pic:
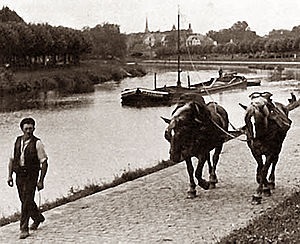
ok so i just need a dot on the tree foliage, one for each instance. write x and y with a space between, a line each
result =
24 44
6 15
107 41
239 32
240 40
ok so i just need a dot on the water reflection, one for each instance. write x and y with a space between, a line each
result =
40 100
280 74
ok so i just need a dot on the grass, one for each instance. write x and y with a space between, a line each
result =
92 189
277 225
67 79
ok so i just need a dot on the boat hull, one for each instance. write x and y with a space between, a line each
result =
253 83
139 97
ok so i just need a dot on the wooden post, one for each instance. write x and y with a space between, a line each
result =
189 81
178 50
154 81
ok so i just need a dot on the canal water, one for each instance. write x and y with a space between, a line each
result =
91 138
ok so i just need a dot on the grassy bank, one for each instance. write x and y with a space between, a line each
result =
66 79
278 225
92 189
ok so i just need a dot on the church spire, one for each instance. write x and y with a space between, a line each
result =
146 29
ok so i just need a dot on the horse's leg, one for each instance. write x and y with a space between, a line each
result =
256 199
190 169
201 182
210 170
260 164
272 174
269 161
213 179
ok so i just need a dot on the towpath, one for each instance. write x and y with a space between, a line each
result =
154 209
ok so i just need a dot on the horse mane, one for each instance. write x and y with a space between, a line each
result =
267 114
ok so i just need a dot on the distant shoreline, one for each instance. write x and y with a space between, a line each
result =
222 62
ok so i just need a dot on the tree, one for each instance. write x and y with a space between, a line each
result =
296 44
239 32
239 26
6 15
42 42
230 48
258 45
107 40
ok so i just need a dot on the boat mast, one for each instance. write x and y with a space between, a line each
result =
178 49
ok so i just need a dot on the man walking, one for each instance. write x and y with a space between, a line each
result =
29 162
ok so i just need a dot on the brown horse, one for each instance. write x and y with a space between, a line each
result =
265 137
194 130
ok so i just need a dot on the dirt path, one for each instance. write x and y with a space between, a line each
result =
154 209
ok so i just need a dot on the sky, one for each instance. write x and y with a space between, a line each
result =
262 16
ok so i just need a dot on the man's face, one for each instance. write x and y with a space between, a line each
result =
28 130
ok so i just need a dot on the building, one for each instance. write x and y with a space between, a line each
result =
144 43
198 39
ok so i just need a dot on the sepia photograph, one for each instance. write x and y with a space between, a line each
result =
149 122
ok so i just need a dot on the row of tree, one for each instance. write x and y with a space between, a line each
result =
26 44
239 39
23 44
259 46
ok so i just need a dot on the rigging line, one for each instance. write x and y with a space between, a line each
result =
192 63
193 66
233 127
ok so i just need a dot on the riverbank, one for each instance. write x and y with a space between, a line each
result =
92 189
66 79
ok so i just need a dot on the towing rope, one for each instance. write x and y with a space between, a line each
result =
227 133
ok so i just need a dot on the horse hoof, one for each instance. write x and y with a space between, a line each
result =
204 184
256 200
258 179
212 185
213 179
267 192
271 185
191 194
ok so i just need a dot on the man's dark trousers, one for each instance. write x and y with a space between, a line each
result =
26 184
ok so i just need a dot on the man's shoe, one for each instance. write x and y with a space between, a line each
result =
36 224
24 234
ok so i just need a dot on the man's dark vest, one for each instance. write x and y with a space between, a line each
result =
31 161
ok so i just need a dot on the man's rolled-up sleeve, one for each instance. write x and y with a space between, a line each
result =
42 155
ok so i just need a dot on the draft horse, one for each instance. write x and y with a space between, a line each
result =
195 129
265 136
